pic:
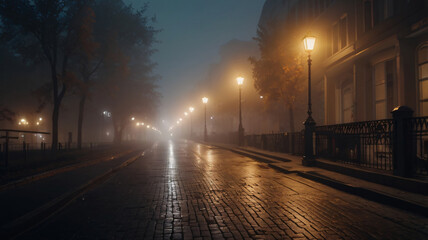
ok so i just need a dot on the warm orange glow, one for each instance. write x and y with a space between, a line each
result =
205 100
309 43
240 80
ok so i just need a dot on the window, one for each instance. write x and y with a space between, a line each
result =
384 78
347 103
375 11
335 37
343 32
367 16
423 80
340 34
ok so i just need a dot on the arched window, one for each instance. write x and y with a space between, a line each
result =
423 79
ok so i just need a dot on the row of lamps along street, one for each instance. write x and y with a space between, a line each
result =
308 158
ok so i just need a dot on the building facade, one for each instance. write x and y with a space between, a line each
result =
370 56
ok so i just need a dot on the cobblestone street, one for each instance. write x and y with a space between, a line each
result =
184 190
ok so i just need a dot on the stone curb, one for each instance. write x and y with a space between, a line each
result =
39 215
372 195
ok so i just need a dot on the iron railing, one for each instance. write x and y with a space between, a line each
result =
367 144
418 130
15 155
292 143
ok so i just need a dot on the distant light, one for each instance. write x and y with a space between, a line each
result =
212 117
19 123
22 135
138 124
22 120
180 119
171 134
178 122
205 100
142 124
132 118
185 113
37 123
261 97
191 109
40 119
148 126
108 133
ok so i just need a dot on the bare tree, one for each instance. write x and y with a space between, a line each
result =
45 30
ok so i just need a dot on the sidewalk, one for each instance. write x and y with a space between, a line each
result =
415 200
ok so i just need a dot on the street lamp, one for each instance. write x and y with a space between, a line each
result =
308 157
205 101
191 109
240 81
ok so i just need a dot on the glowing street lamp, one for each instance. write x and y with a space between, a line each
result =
308 158
240 81
205 101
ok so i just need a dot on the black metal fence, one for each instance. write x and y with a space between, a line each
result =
418 136
292 143
15 155
398 145
367 144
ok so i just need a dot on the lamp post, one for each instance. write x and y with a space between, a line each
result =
191 109
240 81
308 157
205 101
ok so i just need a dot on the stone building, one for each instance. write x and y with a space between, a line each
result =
370 55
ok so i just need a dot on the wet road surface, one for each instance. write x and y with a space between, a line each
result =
184 190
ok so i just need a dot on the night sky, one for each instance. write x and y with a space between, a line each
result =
192 32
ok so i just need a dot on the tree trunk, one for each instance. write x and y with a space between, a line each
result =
57 104
117 134
291 113
80 121
55 116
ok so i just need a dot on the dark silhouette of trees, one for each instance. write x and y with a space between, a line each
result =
45 30
128 84
101 46
278 72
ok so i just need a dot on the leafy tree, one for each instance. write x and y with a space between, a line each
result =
278 72
45 30
86 62
126 36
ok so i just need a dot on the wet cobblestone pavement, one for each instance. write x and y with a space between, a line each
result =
190 191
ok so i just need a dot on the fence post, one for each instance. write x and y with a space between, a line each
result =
24 148
6 150
402 142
